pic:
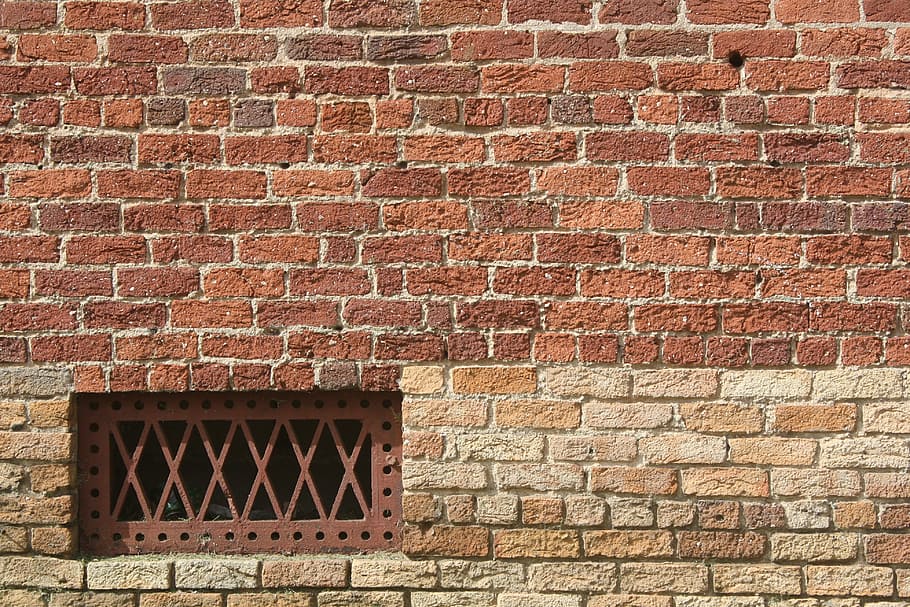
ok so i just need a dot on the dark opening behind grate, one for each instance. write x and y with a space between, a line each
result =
239 472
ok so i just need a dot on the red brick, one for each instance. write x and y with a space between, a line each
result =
29 15
598 45
845 42
242 217
225 184
103 15
519 78
121 315
557 11
35 316
71 348
57 48
492 44
886 10
454 12
437 215
765 317
622 283
809 11
151 282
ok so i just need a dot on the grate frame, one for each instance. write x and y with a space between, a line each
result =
102 419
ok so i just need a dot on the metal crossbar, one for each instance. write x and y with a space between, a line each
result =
239 472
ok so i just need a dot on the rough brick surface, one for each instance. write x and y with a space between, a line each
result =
638 266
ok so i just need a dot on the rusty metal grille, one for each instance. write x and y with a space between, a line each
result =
239 472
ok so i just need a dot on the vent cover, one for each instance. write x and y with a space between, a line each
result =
239 472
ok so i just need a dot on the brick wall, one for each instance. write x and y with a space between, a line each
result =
639 267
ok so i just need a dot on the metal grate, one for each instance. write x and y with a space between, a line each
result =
239 472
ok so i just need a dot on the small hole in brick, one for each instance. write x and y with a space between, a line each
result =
162 537
184 537
342 536
298 536
342 404
251 536
117 537
736 59
402 164
386 426
320 535
284 165
229 536
387 492
387 535
275 536
365 535
140 537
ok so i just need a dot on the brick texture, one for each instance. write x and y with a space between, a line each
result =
639 267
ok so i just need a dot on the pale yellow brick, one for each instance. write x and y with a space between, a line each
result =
494 380
814 547
535 543
497 509
94 599
766 384
675 514
51 478
10 476
711 417
20 509
443 475
540 477
683 448
447 599
686 578
585 511
13 539
444 412
537 414
773 451
50 414
179 599
627 415
614 448
628 545
539 600
809 482
40 572
903 582
271 599
422 380
573 577
892 418
21 598
720 601
481 575
216 573
53 541
629 600
586 381
864 452
304 573
631 512
757 579
123 574
500 447
675 383
887 484
849 580
725 482
393 573
844 384
12 414
47 446
343 598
